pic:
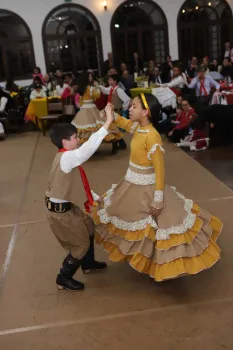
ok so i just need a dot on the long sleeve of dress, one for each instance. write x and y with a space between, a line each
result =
156 155
126 124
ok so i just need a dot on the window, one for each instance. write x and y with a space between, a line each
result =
139 26
16 49
203 27
72 40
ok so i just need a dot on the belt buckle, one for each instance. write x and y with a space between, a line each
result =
60 208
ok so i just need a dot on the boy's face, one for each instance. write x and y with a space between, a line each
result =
72 143
111 82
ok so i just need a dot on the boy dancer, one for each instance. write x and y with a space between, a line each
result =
73 229
118 98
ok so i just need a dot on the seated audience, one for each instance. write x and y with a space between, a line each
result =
192 68
178 82
48 83
227 70
38 92
197 139
155 76
128 82
37 73
123 67
179 128
167 69
203 84
205 63
214 73
11 86
150 68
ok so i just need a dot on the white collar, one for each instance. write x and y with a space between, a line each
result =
142 130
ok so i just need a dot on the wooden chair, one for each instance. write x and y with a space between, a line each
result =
51 117
43 120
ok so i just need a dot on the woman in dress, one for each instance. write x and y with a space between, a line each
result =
147 223
88 120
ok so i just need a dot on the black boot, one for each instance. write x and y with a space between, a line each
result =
64 278
89 263
114 148
122 144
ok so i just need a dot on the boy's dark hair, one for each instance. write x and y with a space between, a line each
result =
115 77
60 132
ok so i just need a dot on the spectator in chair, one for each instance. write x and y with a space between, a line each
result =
38 92
155 77
227 70
192 68
213 73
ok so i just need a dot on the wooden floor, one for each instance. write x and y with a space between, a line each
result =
120 308
219 161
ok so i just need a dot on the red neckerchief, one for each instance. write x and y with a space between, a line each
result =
202 87
111 93
90 201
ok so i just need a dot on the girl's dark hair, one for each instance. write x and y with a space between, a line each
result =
94 78
60 132
154 106
11 86
83 83
37 80
39 70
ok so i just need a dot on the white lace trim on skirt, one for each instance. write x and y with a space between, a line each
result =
187 224
140 179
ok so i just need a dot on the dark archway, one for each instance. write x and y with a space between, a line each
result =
72 39
139 26
17 58
203 27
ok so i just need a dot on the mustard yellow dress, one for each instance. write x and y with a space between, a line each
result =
88 120
180 241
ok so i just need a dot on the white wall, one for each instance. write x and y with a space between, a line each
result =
34 13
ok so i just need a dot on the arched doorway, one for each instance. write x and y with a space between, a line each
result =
72 39
17 58
139 26
203 27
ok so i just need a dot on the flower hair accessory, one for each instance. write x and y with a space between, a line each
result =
145 104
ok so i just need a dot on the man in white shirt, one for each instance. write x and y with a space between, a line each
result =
73 229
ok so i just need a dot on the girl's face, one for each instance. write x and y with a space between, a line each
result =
136 112
215 62
36 71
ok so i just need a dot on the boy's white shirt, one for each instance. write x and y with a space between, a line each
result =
72 159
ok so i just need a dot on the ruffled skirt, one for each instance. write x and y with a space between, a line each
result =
88 121
180 241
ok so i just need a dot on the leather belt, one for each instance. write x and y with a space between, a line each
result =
58 207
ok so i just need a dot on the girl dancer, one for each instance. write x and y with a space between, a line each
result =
147 223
